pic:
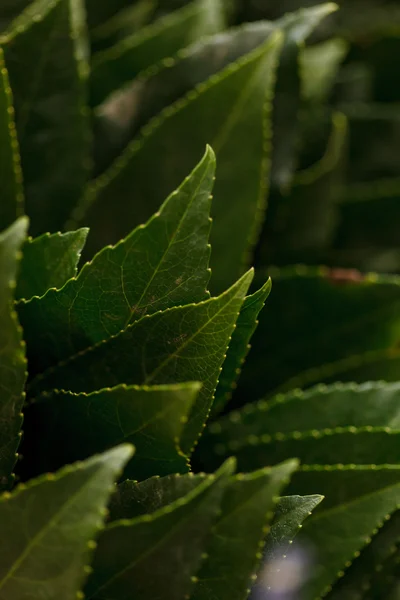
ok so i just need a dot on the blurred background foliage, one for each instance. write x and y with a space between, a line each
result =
335 184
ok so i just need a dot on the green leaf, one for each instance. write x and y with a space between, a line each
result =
9 10
101 11
339 534
374 404
120 118
12 355
297 26
48 526
150 418
233 553
48 262
129 550
12 196
135 498
122 24
52 124
290 514
159 265
239 345
168 347
341 445
301 225
371 562
317 316
120 64
228 109
319 65
348 490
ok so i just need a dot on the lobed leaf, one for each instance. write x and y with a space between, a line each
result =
172 346
12 200
48 526
159 265
150 418
48 262
44 54
128 549
232 110
12 355
116 66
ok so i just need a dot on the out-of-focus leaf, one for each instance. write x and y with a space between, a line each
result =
317 316
45 54
12 196
231 110
319 65
287 98
120 64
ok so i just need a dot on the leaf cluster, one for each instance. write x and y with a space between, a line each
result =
145 451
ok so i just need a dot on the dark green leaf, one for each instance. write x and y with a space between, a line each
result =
290 514
301 225
135 498
233 553
297 26
12 355
43 51
159 265
239 345
352 493
341 445
9 10
47 528
172 538
150 418
363 571
120 64
279 565
228 109
101 11
168 347
121 117
375 404
12 197
48 262
339 534
319 65
317 316
124 23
